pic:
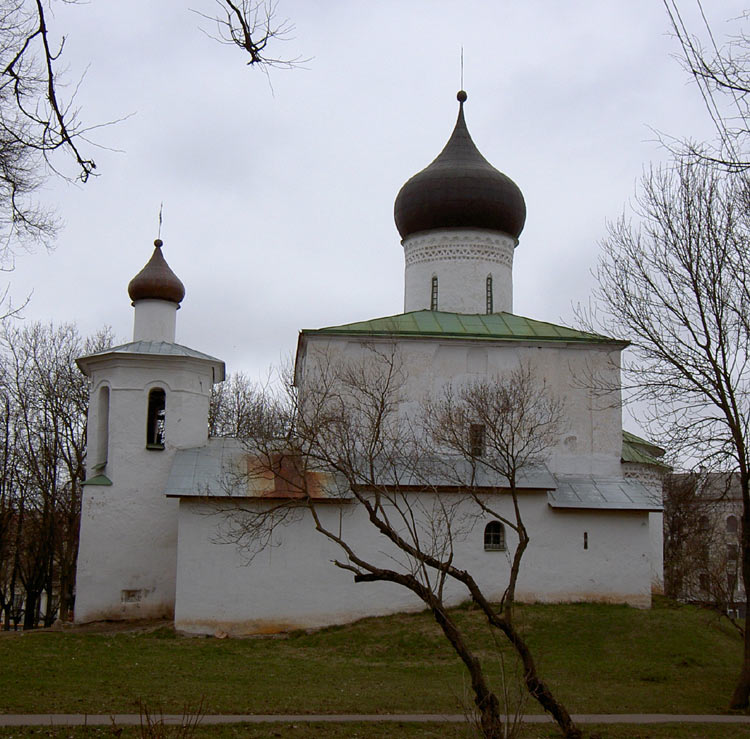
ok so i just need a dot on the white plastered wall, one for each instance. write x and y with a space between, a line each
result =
461 259
295 585
128 537
154 320
591 441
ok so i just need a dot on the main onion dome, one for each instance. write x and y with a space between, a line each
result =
156 281
460 189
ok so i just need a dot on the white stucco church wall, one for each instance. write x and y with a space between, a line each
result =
155 498
591 438
294 584
461 270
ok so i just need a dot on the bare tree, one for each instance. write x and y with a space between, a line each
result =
686 535
721 72
235 406
702 542
676 283
45 398
345 432
250 25
41 130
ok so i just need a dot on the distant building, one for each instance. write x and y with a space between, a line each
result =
702 524
149 528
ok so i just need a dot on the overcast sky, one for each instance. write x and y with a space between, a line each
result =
278 201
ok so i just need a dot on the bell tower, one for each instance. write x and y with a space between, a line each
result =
148 398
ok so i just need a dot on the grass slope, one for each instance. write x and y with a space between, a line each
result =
597 658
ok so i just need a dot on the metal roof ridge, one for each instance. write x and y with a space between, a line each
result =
379 326
121 348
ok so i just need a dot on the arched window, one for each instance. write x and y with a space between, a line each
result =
494 537
434 293
157 404
102 429
732 524
489 294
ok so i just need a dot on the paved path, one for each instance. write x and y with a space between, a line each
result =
80 719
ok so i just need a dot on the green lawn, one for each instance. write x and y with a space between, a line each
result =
597 658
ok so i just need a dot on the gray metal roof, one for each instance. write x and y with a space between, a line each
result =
603 493
225 468
155 348
212 469
203 470
451 472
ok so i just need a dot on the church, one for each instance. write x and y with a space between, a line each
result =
155 504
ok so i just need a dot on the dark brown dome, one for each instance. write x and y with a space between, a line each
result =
460 189
156 281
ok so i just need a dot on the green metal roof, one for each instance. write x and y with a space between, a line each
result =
98 480
491 326
638 450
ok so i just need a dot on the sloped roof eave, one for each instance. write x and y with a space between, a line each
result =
505 327
152 350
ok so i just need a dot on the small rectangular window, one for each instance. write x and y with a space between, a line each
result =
434 294
489 294
476 439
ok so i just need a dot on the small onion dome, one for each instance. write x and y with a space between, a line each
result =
460 189
156 281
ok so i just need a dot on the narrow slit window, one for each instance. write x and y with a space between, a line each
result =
155 424
434 294
490 300
476 439
102 430
585 539
494 537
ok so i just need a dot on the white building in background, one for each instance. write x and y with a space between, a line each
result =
149 529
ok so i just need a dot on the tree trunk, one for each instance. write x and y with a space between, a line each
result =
30 610
66 598
49 609
538 688
485 700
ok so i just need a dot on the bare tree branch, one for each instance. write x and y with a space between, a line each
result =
353 444
675 282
